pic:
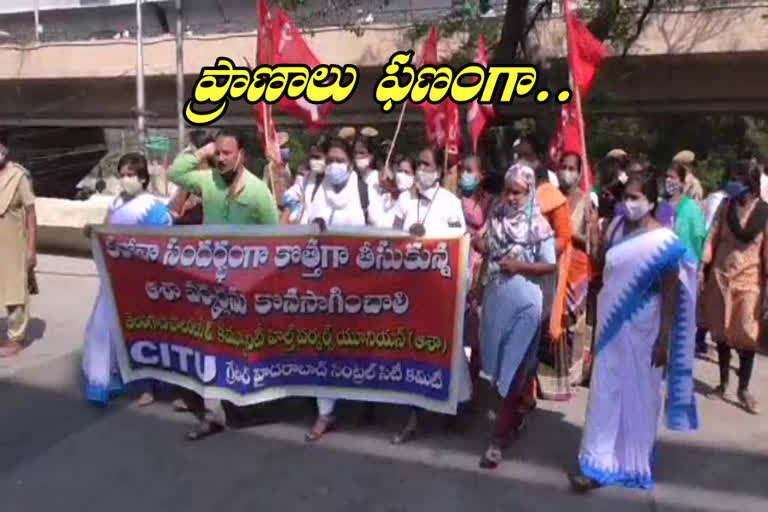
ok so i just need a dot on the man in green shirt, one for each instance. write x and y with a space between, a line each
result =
230 193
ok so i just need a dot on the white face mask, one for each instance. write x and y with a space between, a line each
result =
362 164
623 178
425 179
337 173
637 209
316 164
131 185
764 187
568 178
404 181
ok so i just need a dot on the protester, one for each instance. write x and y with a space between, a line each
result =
364 164
386 192
231 196
645 319
292 197
475 203
692 186
688 219
519 247
566 357
736 251
428 209
134 206
18 252
310 185
337 204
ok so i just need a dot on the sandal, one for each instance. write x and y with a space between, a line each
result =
322 426
582 484
145 399
748 402
408 432
491 458
204 429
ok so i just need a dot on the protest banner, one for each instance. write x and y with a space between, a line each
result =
251 314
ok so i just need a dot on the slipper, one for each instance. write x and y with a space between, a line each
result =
491 458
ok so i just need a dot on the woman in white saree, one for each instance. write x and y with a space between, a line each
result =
133 206
646 323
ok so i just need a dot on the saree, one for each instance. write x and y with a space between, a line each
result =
625 392
102 332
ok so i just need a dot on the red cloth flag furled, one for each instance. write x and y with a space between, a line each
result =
478 115
290 48
585 53
443 126
262 112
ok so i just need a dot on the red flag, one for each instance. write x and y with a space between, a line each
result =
262 112
585 53
290 48
443 126
478 115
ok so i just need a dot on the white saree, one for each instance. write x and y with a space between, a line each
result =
625 391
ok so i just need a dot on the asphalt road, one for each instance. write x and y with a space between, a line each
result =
56 451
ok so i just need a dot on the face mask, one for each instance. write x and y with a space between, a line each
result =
468 182
671 187
637 209
623 178
425 179
290 201
404 181
568 178
337 173
735 189
317 165
764 187
285 153
131 185
362 164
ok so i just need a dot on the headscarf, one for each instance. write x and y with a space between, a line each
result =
517 232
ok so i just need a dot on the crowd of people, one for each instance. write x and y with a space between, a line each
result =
613 288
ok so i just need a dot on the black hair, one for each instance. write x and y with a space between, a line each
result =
648 187
199 138
235 134
438 155
335 142
746 172
532 142
367 143
138 164
572 153
679 169
541 173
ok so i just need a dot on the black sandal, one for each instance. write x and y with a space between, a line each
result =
203 430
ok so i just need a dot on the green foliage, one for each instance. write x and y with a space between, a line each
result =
469 25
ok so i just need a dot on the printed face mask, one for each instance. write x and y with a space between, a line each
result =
671 187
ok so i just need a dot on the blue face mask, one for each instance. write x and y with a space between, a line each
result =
468 182
285 153
735 189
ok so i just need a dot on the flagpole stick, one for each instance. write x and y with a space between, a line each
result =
270 162
394 137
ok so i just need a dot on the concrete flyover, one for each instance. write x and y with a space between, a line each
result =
707 61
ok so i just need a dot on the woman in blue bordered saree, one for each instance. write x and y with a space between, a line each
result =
645 328
133 206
